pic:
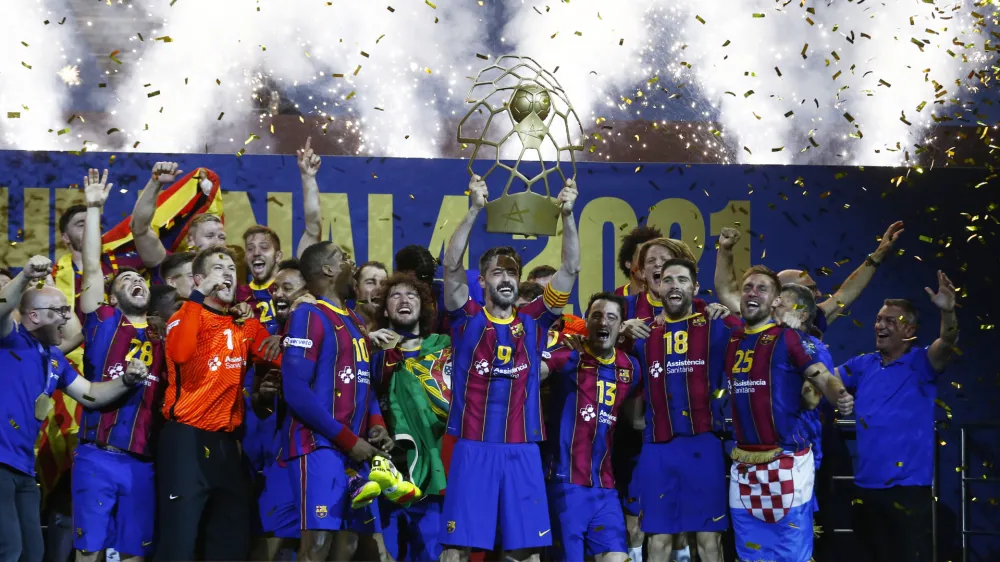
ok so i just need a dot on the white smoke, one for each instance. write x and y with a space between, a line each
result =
862 73
406 86
37 94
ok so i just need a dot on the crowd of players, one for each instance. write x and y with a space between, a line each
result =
328 410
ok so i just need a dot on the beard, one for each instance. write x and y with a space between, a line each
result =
680 309
407 326
761 313
501 300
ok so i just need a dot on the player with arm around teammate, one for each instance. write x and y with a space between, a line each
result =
588 390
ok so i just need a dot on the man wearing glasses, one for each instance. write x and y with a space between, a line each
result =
31 369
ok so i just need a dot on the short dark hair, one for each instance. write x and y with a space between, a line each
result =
68 216
910 313
201 258
261 229
804 298
312 260
684 262
173 262
290 263
375 264
763 270
631 241
122 271
428 306
610 297
529 290
417 259
496 252
541 271
157 294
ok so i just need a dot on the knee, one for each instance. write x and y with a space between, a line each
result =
452 555
661 543
635 534
709 544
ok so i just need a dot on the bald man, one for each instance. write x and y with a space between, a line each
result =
31 369
827 310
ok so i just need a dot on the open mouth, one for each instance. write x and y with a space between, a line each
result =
753 305
280 305
227 284
675 297
656 278
506 292
881 335
404 310
137 291
258 265
603 335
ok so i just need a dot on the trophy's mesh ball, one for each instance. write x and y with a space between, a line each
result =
528 100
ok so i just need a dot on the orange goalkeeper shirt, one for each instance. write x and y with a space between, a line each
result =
207 354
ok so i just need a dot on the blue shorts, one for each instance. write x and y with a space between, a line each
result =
683 486
585 520
319 482
279 514
412 532
628 486
490 483
114 502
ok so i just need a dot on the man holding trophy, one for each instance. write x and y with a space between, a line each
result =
496 480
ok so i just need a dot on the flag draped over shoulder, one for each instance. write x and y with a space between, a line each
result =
175 207
418 411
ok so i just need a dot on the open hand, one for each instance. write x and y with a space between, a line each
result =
96 188
888 239
944 299
270 348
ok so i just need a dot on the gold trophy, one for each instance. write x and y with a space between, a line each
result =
515 95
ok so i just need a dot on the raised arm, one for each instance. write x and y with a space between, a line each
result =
856 282
147 242
456 288
727 286
564 279
100 394
309 167
941 350
37 269
95 190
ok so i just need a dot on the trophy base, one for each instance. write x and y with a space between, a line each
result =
526 213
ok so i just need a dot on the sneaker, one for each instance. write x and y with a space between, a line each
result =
363 492
393 486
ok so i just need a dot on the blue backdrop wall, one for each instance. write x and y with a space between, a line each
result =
822 219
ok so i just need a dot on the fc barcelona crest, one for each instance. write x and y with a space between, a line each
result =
767 339
624 375
451 526
321 511
698 320
517 330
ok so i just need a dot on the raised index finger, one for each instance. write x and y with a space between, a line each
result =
308 141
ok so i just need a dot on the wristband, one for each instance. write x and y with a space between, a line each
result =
871 261
554 298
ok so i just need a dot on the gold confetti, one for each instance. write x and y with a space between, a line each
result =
165 39
219 118
63 131
428 2
113 56
804 47
241 152
350 95
700 19
14 424
849 118
753 545
379 38
153 94
113 130
13 115
206 452
357 70
26 65
758 15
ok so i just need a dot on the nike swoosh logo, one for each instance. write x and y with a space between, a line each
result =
543 533
173 497
147 543
714 519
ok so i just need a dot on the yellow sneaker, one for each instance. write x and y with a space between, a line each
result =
363 492
393 486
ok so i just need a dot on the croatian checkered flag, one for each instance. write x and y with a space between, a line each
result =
771 507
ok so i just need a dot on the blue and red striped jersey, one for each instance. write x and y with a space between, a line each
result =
326 378
586 400
496 377
643 306
259 297
683 362
110 342
766 367
623 291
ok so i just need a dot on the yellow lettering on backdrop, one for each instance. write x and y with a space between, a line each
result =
736 215
380 228
550 255
239 216
453 210
279 219
598 213
337 221
685 214
34 239
65 198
